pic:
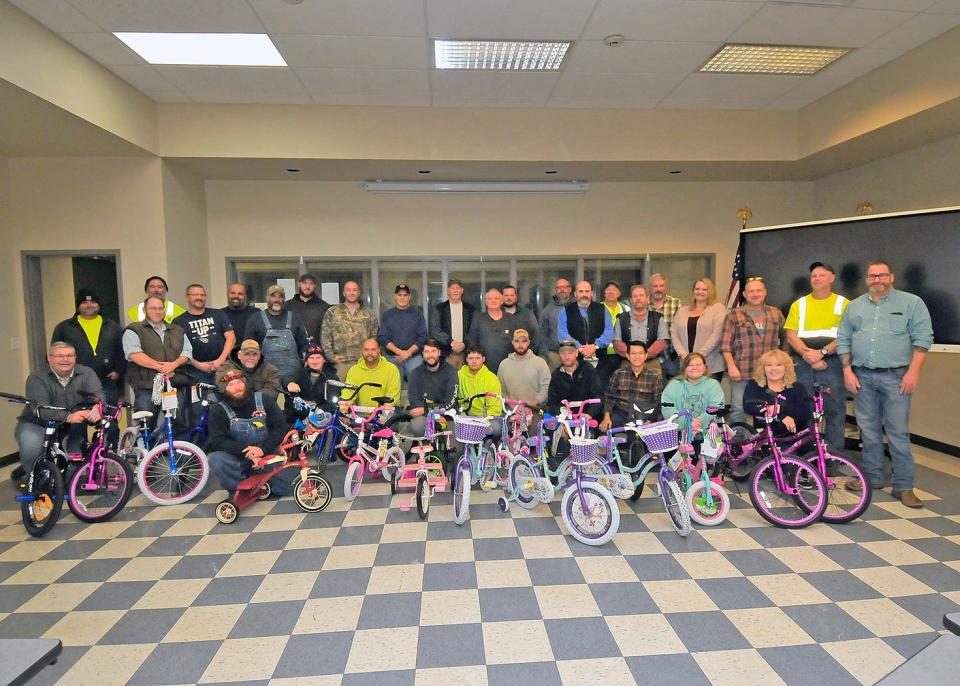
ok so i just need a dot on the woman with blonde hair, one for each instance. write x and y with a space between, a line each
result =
776 376
698 326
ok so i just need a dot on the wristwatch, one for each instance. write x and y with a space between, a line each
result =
823 352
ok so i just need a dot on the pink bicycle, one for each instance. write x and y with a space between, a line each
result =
376 453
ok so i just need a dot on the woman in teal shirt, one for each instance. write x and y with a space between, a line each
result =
695 390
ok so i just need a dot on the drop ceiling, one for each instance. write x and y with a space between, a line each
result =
378 52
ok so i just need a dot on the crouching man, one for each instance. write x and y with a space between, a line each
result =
245 427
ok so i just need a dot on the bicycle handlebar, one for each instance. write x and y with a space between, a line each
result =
23 400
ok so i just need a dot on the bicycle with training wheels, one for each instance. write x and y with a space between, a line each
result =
41 494
171 472
478 461
376 450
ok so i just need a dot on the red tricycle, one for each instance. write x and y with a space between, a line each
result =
310 490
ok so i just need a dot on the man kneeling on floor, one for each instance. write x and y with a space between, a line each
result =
244 427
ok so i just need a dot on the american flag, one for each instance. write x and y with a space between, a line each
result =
734 296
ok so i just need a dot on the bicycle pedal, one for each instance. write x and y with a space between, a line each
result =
490 484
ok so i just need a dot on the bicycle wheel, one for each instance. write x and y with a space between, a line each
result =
789 510
129 446
842 505
567 470
592 519
353 480
674 503
109 492
461 493
520 471
423 496
394 459
173 482
486 467
43 498
312 494
739 436
702 511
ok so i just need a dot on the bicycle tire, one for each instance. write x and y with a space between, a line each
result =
521 469
159 485
461 494
312 494
112 469
600 504
45 484
128 446
700 511
836 511
567 470
423 496
779 508
674 504
394 459
352 480
486 468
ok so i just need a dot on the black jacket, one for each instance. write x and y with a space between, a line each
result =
583 384
220 438
312 390
797 405
108 357
440 325
311 312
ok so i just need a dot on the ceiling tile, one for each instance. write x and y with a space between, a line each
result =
916 31
650 88
353 52
491 88
638 57
167 96
365 82
728 91
624 102
669 20
56 15
824 26
374 99
896 5
508 19
105 48
343 17
267 85
946 7
195 16
837 75
142 77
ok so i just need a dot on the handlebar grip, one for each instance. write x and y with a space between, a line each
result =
16 398
592 401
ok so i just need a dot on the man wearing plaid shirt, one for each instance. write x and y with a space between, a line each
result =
631 385
748 332
667 306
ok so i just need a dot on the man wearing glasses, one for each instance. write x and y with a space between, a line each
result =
748 332
882 341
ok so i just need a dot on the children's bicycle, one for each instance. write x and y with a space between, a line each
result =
376 451
477 461
428 474
41 495
706 499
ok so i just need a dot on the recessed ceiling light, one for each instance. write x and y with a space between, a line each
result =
550 171
675 171
213 49
772 59
423 171
499 55
294 171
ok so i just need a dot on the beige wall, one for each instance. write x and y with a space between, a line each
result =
11 326
185 230
917 179
56 274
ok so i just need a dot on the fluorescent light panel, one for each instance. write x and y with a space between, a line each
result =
494 55
214 49
772 59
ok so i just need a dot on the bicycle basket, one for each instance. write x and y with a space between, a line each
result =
583 450
660 437
469 429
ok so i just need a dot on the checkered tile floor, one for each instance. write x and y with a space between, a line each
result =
366 593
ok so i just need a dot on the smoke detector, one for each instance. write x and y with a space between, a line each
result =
614 40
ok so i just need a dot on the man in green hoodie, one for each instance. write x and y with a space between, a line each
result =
474 378
372 366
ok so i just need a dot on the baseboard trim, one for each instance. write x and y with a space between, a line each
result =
9 458
939 446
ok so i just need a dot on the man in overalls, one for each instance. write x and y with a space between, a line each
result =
244 427
281 335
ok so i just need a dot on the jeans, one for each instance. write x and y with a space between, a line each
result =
736 400
407 367
29 437
881 408
834 403
231 470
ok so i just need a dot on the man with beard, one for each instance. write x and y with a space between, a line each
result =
262 375
280 333
586 322
549 336
244 427
573 380
403 331
526 319
434 381
641 324
667 306
210 332
373 367
523 375
237 309
493 330
309 306
310 383
345 327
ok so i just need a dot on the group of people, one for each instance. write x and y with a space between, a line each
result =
656 352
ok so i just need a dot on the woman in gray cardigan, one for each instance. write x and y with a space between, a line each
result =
698 326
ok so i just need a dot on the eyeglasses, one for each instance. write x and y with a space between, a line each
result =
879 277
63 357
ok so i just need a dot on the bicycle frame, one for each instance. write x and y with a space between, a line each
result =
108 414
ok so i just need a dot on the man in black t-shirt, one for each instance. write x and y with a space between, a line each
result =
237 309
210 332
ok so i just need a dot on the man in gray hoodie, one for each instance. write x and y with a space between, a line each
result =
523 375
549 338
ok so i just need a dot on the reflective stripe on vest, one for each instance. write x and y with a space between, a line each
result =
168 312
804 332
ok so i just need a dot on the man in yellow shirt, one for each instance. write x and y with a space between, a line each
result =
474 378
372 366
156 285
97 342
811 331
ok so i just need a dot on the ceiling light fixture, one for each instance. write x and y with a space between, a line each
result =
423 171
493 55
207 49
772 59
292 170
476 186
675 171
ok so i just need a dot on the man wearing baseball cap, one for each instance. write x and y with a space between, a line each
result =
523 375
403 331
156 285
262 375
811 331
280 333
310 306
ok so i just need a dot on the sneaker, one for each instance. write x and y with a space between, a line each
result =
806 482
857 487
908 498
17 473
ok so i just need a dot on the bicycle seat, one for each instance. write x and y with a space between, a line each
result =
142 414
382 400
719 411
619 440
383 433
593 423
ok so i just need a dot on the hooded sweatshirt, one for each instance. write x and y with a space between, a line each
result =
525 378
384 372
697 397
484 381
